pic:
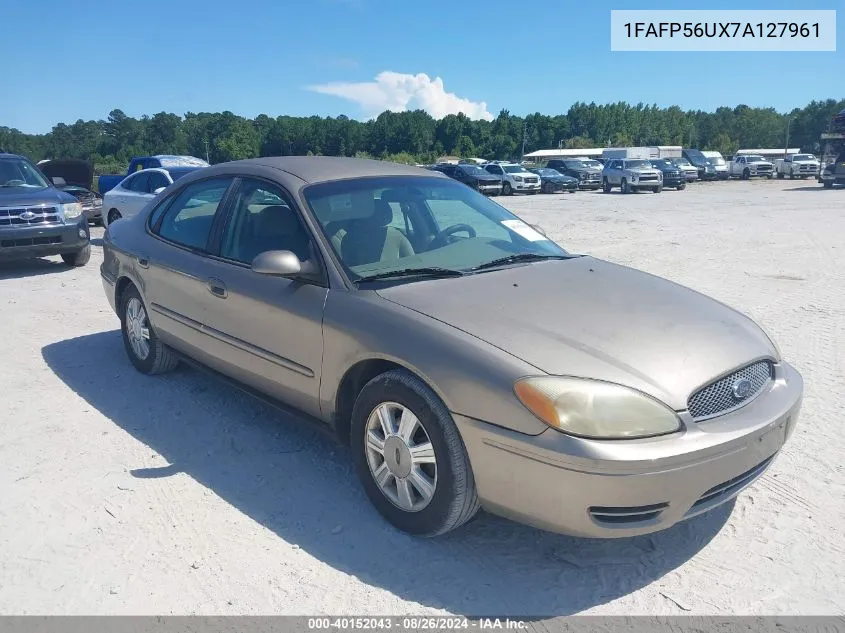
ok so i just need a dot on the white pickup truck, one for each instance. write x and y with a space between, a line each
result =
797 166
747 166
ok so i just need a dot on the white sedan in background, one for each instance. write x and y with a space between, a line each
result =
136 190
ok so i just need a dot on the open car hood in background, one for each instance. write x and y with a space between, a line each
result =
74 171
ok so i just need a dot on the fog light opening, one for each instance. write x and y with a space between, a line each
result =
82 233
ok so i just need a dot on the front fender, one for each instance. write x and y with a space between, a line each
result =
472 377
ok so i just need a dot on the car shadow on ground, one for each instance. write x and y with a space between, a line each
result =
31 268
818 187
300 484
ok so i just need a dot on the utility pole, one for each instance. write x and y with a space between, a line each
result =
207 159
524 135
786 149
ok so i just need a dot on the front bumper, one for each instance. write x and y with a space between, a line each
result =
589 184
620 488
526 187
42 241
674 181
645 184
490 189
691 176
558 187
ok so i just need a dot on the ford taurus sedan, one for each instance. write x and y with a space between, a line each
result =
469 361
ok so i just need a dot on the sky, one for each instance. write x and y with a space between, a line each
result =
63 61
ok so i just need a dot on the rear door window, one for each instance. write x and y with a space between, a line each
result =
189 217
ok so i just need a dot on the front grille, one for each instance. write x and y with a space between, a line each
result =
648 178
31 241
621 516
729 488
29 216
531 180
727 393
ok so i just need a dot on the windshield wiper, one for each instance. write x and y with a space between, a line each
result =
431 271
519 257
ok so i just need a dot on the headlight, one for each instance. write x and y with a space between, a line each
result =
590 408
71 210
518 178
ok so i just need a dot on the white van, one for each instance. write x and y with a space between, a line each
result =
719 163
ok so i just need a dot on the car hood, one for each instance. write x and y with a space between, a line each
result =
74 172
590 318
25 197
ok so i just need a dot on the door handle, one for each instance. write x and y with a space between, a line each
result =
217 288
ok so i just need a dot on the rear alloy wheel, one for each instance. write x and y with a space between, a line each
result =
78 258
147 353
113 216
410 457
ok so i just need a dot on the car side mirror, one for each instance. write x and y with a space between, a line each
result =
159 190
282 264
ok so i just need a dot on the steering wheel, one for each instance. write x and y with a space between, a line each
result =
442 238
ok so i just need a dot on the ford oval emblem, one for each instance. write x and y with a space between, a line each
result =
27 215
741 389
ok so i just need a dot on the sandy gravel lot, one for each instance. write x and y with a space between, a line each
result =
126 494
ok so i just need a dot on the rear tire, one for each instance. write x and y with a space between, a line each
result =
78 258
147 353
506 189
445 469
780 175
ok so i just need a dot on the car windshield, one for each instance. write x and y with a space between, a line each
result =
581 164
392 224
662 162
545 171
514 169
756 159
17 173
473 170
682 162
637 163
803 157
718 160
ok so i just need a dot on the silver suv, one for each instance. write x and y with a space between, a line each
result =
631 174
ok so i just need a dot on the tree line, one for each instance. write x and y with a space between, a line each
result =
416 137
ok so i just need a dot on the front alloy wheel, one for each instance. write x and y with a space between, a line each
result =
401 457
410 457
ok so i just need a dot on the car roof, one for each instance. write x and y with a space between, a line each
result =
10 155
316 169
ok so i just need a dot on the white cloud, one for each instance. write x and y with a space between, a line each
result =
400 91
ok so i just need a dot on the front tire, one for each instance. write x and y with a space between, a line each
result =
605 185
410 457
828 184
746 175
624 186
78 258
681 187
147 353
506 189
658 189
